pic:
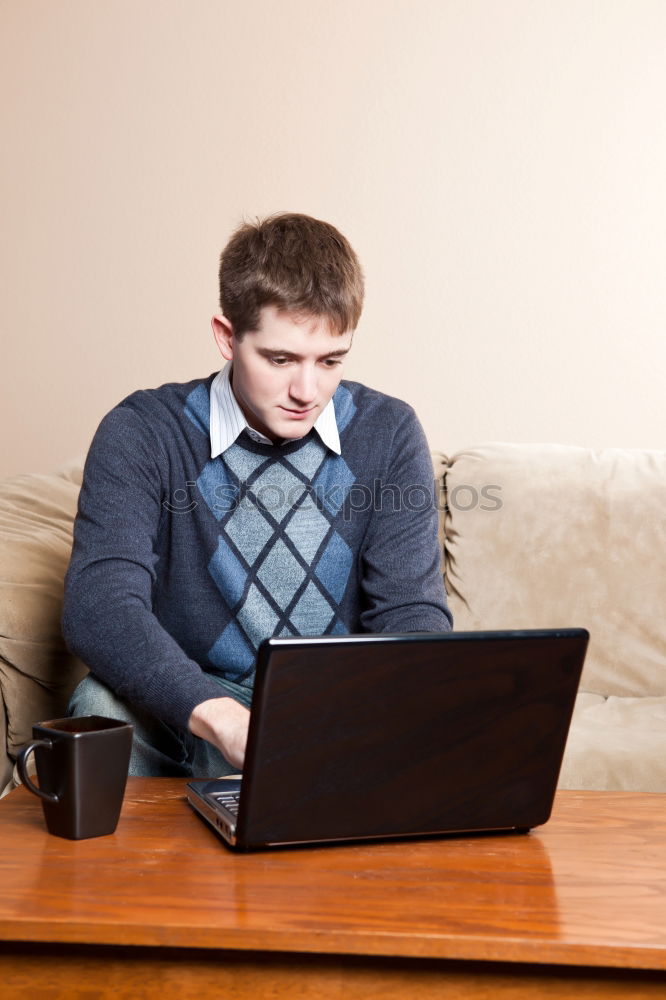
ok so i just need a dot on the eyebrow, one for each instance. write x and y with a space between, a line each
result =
268 352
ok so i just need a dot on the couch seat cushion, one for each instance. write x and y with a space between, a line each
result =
616 744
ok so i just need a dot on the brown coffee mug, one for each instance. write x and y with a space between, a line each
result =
82 765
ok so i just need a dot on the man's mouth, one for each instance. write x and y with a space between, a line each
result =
298 413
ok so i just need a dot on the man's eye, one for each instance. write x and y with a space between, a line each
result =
332 362
279 361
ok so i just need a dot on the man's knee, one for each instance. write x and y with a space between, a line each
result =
91 697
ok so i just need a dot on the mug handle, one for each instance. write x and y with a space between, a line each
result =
22 765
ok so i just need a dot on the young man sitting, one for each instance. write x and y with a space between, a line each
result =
271 498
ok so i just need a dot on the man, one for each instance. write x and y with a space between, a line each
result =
271 498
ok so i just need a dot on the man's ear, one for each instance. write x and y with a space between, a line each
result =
224 336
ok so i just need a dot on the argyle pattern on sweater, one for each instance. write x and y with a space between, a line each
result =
280 565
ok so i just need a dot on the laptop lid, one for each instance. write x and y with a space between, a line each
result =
376 736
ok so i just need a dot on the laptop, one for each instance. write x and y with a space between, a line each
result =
364 737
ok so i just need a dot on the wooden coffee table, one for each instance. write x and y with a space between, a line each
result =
161 908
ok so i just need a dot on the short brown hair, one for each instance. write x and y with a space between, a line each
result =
296 263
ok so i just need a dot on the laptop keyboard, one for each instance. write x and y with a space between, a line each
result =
229 800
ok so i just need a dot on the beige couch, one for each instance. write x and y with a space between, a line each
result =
534 536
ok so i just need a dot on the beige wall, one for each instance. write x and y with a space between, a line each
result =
499 167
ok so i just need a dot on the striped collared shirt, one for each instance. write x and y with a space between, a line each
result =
227 420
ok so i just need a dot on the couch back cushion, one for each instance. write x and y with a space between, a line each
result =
545 536
37 673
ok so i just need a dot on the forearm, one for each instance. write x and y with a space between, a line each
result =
124 644
407 602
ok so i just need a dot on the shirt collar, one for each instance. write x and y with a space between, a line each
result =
227 420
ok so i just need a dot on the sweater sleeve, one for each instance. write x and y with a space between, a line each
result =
402 578
108 619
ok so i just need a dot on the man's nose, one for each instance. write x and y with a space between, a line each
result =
303 385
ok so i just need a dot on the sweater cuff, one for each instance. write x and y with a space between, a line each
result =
175 705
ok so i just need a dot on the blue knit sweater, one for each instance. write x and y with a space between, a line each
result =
182 565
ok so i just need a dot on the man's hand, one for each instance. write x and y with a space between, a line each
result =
224 723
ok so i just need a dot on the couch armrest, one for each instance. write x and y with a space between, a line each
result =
37 673
548 536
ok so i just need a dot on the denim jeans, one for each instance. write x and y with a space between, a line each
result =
158 750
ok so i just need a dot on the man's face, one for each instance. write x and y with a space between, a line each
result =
285 372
